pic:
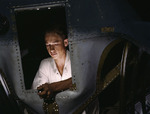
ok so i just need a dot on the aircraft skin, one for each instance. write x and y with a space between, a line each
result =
94 28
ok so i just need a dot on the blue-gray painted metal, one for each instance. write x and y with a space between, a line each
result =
85 18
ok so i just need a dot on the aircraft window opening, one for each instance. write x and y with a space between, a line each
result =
31 25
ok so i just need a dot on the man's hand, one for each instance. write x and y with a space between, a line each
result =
44 91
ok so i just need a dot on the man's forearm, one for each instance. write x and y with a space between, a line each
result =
62 85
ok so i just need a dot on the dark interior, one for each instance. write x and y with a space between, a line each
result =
31 25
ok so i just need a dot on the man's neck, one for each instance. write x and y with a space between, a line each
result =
60 63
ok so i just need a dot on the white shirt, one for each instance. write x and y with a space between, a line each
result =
48 72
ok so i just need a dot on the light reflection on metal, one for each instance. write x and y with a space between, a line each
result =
122 75
51 108
73 87
37 7
4 84
107 29
111 76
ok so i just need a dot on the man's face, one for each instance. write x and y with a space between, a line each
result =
55 45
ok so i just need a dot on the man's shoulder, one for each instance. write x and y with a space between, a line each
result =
46 61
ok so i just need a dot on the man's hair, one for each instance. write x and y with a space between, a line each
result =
58 30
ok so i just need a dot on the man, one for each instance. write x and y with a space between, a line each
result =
54 73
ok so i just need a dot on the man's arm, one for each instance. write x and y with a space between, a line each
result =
46 89
62 85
